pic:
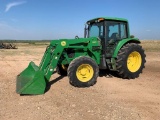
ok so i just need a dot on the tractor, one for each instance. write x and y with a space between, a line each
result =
107 45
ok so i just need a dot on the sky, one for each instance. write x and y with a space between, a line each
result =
58 19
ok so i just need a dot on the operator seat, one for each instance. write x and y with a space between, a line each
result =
114 36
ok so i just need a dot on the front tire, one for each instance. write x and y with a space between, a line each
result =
130 61
83 72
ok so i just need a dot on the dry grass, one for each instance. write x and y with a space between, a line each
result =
33 44
151 45
148 46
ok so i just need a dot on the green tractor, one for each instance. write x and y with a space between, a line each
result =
106 45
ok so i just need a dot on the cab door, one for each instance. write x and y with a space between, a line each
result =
115 31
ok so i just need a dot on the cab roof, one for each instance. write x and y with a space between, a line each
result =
108 18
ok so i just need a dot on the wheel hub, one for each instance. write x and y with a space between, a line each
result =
84 72
134 61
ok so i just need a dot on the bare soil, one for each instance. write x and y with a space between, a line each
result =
111 98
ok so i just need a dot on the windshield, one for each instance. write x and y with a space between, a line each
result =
96 30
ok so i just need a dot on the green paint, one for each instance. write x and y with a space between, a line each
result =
109 18
33 79
123 42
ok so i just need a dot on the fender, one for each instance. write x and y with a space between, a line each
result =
122 43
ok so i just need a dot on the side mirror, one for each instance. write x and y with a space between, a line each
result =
85 31
76 37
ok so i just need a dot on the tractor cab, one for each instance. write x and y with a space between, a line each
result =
109 30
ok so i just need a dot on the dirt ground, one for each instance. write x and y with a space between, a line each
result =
111 98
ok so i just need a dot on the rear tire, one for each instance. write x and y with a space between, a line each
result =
83 72
130 61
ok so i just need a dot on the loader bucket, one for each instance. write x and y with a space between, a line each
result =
31 81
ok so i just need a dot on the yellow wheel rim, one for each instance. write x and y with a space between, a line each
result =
84 72
134 61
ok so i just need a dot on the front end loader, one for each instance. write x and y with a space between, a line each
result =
60 52
106 45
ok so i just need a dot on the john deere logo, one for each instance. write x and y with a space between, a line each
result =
63 43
